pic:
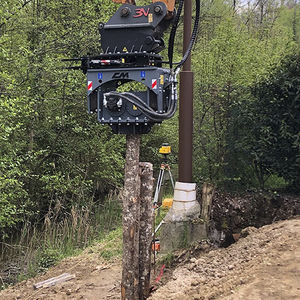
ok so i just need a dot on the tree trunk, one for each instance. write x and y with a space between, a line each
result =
207 195
146 228
131 213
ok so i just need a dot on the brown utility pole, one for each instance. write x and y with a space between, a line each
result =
186 103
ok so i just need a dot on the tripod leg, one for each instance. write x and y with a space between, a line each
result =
158 185
172 180
161 188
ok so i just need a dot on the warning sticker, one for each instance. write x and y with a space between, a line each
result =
90 85
154 84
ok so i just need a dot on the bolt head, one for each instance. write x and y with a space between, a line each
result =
125 11
158 9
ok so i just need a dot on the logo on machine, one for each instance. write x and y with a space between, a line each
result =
120 75
141 12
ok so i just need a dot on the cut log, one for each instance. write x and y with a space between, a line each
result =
54 280
131 213
208 191
146 228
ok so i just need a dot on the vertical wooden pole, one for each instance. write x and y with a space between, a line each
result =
131 213
146 228
208 191
185 161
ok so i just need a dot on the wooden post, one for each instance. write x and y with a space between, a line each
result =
208 191
131 213
146 228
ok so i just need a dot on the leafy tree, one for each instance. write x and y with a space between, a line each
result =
273 139
231 56
50 150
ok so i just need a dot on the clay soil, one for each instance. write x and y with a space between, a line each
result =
263 264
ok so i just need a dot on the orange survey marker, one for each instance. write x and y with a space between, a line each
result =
167 202
156 246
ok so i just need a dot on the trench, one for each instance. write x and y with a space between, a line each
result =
230 214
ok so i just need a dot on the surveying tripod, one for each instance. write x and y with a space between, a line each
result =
165 150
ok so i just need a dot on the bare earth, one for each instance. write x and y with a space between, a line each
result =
265 264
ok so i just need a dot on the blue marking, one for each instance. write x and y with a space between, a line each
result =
143 74
100 75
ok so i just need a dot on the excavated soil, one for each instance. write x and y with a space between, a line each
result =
263 264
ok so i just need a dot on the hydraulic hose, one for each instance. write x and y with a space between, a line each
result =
192 40
146 109
173 33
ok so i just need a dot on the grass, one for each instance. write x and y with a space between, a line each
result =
160 216
112 245
167 259
109 247
39 247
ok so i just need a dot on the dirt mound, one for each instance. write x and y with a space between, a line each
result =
264 264
231 213
94 280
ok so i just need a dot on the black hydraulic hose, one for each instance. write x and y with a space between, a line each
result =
153 115
173 33
193 37
147 110
168 114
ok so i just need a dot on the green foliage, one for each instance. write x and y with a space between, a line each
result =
274 123
234 52
167 259
47 258
51 151
37 248
110 246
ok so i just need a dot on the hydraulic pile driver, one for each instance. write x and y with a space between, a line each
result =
131 42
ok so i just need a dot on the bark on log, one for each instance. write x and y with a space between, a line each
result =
146 228
131 212
208 191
